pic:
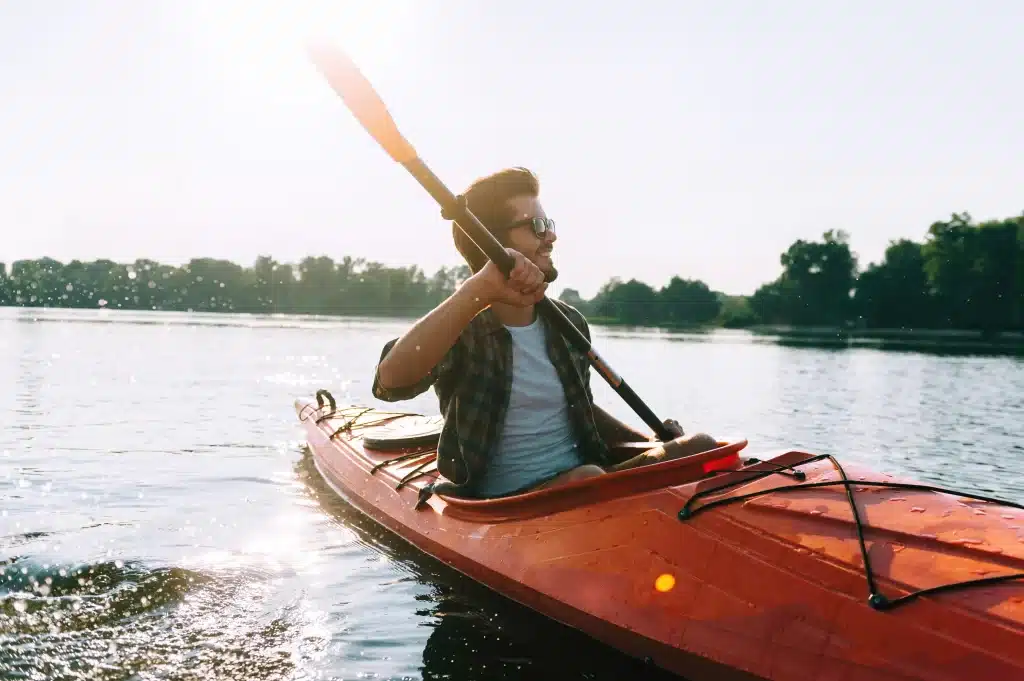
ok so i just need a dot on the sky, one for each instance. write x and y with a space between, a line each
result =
692 139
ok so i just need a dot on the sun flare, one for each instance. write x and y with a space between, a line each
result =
263 42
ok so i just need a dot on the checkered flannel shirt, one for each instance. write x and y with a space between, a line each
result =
473 382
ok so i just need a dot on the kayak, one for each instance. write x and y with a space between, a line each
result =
788 566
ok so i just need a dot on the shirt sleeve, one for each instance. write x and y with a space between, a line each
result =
442 368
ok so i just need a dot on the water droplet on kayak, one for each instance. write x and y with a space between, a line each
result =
1008 516
978 511
898 499
969 541
917 509
896 548
930 536
815 511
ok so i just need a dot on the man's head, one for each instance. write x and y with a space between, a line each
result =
507 204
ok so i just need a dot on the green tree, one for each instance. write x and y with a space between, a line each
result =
633 302
5 286
572 297
815 287
974 272
736 312
687 301
895 293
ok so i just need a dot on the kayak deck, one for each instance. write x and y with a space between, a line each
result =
713 567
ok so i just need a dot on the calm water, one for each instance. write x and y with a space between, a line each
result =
162 519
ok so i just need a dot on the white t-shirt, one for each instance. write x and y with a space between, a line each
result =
536 442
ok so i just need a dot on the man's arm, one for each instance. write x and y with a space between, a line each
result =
426 343
416 353
612 430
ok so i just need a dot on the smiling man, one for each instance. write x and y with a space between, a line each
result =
515 395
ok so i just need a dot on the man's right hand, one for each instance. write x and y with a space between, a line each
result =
524 286
424 345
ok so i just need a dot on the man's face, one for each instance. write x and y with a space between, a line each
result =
523 238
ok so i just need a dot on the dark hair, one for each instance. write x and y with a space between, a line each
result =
487 198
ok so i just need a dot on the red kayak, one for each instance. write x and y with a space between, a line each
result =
787 567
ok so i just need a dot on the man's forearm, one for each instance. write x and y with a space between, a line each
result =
613 430
425 344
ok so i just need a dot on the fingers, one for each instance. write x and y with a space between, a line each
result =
674 427
526 279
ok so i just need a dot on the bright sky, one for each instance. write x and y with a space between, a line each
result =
671 137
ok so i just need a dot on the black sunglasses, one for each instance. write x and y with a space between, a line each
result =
541 226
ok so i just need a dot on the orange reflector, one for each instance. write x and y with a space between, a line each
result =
723 464
664 583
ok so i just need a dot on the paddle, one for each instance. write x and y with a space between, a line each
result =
362 100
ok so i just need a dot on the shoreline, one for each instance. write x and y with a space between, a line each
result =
810 336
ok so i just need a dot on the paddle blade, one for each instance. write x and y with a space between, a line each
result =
362 100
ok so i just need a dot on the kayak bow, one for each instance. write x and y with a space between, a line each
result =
788 567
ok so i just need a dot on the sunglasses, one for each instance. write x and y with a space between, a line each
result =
541 226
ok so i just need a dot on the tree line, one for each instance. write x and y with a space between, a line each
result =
963 275
316 285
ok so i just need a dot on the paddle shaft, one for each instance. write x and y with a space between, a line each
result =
475 230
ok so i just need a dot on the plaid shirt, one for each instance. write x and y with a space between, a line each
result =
473 382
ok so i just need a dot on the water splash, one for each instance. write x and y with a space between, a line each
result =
106 619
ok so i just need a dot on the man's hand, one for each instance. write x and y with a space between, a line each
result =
674 427
524 286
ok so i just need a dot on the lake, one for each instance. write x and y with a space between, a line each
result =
162 519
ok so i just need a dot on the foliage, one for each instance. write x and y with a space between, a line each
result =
815 286
317 285
962 276
682 302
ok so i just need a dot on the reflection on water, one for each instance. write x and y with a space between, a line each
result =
106 620
162 520
474 632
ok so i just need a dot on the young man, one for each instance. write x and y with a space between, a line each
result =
518 409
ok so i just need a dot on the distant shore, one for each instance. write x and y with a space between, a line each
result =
951 339
939 340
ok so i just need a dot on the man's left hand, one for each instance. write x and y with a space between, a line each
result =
674 427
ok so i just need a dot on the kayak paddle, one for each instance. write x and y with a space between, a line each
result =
369 109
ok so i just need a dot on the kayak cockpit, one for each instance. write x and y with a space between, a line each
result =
602 488
402 449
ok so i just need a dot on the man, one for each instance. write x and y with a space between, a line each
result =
518 409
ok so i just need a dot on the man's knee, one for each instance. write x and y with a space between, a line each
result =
702 442
690 445
579 473
585 471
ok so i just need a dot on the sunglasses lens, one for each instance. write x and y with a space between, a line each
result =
541 226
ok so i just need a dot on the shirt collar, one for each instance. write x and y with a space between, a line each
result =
487 322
